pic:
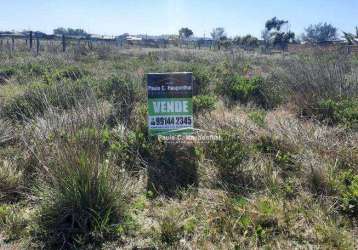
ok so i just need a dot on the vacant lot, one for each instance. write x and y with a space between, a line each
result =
77 168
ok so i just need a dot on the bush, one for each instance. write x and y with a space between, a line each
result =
343 112
244 90
202 80
69 72
12 222
228 155
281 152
6 73
349 193
34 68
204 103
126 148
246 222
319 84
124 94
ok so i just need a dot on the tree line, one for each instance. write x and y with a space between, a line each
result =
276 34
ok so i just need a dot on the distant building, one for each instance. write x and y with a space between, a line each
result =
128 37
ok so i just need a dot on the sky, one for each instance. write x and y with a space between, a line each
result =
156 17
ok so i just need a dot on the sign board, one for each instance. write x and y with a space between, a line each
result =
170 104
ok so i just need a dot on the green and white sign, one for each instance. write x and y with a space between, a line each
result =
170 104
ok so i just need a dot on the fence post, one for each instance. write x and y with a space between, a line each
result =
63 43
37 45
12 43
30 40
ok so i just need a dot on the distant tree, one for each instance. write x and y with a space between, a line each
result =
185 33
224 42
351 38
273 35
275 24
281 39
247 42
218 33
70 32
60 31
321 32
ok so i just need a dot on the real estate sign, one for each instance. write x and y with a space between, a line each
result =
170 104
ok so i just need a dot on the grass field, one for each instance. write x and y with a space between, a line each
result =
78 170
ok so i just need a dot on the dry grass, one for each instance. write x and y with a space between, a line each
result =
275 180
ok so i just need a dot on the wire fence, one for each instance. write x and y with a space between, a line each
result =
61 43
38 43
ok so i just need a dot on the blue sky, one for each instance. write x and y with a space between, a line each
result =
154 17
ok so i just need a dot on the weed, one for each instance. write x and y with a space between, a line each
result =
258 117
11 182
349 193
204 103
13 222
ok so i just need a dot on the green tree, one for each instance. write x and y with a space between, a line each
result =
185 33
273 35
351 38
275 24
224 42
218 33
70 32
321 32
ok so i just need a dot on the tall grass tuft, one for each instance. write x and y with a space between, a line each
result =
38 99
11 182
81 194
82 199
6 132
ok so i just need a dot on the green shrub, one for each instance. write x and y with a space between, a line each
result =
228 154
202 80
6 73
349 193
244 90
34 68
69 72
12 222
244 221
281 152
204 103
124 94
339 112
126 148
